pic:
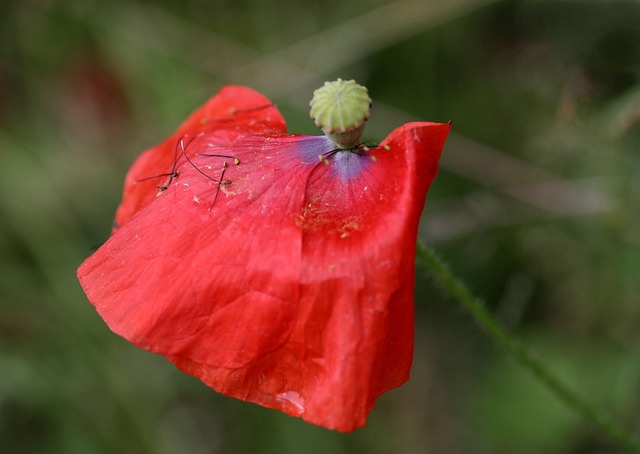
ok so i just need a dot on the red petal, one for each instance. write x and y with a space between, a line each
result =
212 282
234 108
353 334
294 290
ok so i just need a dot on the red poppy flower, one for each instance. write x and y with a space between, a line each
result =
273 267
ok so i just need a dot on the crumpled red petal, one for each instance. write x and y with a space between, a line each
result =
233 108
292 285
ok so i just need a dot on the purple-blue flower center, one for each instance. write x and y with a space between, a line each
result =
347 164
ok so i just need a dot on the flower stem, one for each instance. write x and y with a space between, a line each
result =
523 355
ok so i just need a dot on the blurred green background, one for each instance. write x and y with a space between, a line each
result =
537 208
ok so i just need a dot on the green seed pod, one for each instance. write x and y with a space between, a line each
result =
340 109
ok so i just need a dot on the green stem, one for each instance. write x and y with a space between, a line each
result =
526 357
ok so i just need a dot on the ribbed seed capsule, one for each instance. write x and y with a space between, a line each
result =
340 109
